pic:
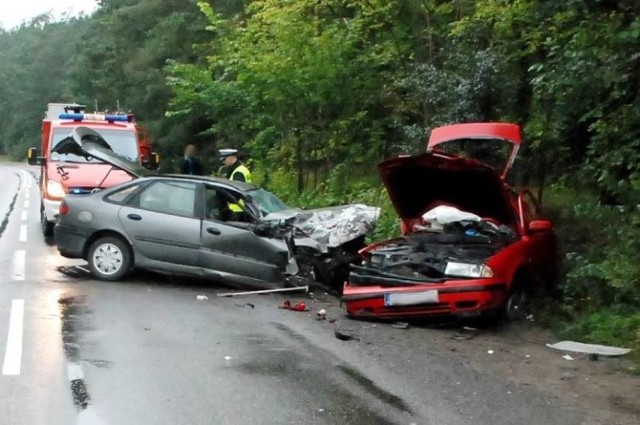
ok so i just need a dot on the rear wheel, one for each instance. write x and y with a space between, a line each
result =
45 225
109 258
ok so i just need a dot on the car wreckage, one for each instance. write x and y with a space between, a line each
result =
470 244
186 225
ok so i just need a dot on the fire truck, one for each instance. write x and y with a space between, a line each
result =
63 174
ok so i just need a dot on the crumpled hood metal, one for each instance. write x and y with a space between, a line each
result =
331 226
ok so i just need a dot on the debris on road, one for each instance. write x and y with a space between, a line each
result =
490 351
266 291
344 335
567 357
299 306
202 297
227 357
321 315
246 305
400 325
579 347
466 332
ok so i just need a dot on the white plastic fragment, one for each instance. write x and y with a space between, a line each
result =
579 347
489 351
202 297
567 357
227 357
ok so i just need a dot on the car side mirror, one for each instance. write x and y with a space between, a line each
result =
33 158
540 226
152 162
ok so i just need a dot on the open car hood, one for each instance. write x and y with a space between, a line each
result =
331 226
84 141
419 183
495 144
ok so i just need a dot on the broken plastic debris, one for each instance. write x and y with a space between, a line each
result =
202 297
579 347
567 357
489 351
400 325
299 306
527 355
227 357
343 336
466 332
321 315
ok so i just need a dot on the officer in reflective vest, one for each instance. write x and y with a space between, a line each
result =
235 170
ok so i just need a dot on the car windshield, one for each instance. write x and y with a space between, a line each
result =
266 201
123 143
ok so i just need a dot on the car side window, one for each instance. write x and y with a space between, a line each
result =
220 206
120 196
169 197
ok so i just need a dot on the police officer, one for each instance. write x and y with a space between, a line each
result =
235 170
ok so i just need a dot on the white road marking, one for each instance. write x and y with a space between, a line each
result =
24 215
13 353
19 261
26 204
23 233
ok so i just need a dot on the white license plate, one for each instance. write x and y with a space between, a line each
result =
397 299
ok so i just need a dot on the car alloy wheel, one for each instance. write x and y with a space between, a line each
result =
45 225
109 258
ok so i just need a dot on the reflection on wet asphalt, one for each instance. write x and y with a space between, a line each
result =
73 318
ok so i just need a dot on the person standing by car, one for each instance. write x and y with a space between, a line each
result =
234 168
190 164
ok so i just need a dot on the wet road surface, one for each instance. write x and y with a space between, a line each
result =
147 351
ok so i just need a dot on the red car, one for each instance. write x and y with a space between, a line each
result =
470 244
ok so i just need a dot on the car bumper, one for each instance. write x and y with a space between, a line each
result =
51 208
462 298
70 240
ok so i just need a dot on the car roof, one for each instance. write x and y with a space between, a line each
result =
234 184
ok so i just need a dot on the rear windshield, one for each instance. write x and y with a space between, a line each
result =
492 152
123 142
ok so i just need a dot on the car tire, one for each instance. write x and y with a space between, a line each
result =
312 271
109 258
45 225
518 304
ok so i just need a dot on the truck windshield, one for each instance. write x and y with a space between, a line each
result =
123 142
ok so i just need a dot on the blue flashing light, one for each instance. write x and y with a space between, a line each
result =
96 117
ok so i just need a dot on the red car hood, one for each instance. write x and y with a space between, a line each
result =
418 183
86 175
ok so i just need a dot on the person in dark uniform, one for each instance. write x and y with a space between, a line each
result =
234 168
190 164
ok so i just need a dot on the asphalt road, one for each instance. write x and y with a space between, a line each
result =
147 351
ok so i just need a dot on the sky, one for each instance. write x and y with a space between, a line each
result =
13 13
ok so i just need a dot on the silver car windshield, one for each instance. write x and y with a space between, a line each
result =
266 201
123 143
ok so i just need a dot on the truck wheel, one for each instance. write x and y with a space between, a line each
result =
45 225
109 258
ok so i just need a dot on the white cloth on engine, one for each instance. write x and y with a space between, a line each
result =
439 216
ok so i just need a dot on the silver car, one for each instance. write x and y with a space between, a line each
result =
209 227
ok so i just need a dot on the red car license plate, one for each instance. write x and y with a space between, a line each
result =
397 299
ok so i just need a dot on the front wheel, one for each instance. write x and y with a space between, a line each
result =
45 225
109 258
518 305
312 271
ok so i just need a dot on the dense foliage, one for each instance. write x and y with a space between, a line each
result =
317 91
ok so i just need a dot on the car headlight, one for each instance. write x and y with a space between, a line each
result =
55 189
467 270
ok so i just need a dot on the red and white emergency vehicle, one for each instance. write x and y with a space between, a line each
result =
63 174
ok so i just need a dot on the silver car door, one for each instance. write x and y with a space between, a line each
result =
232 248
162 224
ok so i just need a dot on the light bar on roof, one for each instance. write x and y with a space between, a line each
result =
96 117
